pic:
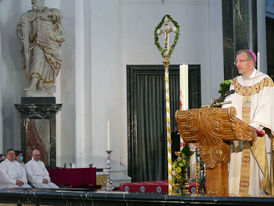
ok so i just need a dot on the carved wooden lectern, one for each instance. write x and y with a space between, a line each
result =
213 129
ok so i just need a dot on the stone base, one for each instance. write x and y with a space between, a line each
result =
37 93
38 100
118 176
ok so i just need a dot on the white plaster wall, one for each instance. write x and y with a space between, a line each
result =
13 78
200 42
105 79
66 141
102 37
1 103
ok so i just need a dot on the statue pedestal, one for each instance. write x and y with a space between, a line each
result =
38 127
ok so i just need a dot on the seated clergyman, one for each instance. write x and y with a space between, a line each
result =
12 173
37 173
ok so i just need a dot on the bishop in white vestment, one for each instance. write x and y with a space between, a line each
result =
12 173
37 172
251 165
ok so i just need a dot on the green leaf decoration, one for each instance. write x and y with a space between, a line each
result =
224 86
156 36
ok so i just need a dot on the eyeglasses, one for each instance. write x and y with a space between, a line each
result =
241 61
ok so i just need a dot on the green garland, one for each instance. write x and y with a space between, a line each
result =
224 86
156 38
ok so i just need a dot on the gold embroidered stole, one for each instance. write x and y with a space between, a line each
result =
258 147
245 166
272 166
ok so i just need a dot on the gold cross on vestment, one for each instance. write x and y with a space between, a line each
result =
247 102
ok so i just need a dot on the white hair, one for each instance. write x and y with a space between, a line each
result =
38 4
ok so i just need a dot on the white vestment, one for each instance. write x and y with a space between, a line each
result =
37 172
253 100
10 172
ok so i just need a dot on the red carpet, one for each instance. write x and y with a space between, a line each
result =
152 186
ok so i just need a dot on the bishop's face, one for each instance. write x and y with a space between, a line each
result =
244 65
38 4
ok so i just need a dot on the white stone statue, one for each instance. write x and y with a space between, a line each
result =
41 33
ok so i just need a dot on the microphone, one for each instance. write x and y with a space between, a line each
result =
230 92
220 101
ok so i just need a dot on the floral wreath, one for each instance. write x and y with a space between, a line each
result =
179 170
156 36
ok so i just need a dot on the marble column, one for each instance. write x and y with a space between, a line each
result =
261 14
1 101
239 31
38 127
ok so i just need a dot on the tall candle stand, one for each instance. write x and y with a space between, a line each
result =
197 170
109 186
186 184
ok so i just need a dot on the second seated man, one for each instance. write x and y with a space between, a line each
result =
37 172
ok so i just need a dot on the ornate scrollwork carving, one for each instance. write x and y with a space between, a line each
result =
211 128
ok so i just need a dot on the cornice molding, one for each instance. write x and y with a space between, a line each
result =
165 2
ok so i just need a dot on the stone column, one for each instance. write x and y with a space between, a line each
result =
261 13
239 31
1 101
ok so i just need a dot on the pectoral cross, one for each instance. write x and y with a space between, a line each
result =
247 102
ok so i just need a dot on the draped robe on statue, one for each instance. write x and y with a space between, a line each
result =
37 172
41 34
250 164
10 172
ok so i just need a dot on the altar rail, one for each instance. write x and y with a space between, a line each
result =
76 197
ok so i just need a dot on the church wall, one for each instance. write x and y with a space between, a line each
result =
105 80
1 104
66 128
90 90
102 37
200 42
13 78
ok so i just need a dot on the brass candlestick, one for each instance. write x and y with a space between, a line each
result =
197 169
186 184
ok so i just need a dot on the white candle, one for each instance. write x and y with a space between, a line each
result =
108 136
258 61
183 93
184 87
